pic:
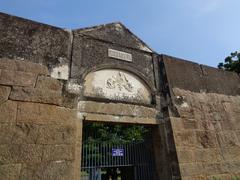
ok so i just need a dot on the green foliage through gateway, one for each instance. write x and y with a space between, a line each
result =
231 63
113 134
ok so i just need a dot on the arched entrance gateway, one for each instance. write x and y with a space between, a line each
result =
117 141
122 106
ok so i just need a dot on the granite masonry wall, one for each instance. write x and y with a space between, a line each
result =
205 119
39 138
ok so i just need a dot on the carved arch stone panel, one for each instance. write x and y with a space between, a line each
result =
118 85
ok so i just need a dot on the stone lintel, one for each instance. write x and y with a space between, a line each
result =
117 109
117 119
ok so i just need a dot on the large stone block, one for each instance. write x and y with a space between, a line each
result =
5 154
20 153
209 125
8 111
48 83
59 170
117 119
4 93
6 133
231 153
116 109
185 138
25 133
185 156
233 168
36 95
54 134
214 168
25 66
191 169
58 152
190 123
176 124
209 155
45 114
206 139
10 171
17 78
227 139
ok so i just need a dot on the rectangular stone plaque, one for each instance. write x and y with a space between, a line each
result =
119 55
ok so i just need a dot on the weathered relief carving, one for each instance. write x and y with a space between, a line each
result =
119 81
116 84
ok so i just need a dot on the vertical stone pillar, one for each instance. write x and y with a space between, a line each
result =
78 149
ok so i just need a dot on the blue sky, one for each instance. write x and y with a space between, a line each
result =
203 31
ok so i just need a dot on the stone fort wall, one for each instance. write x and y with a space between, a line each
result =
37 133
195 108
205 119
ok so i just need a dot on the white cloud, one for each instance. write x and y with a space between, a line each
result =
211 5
206 6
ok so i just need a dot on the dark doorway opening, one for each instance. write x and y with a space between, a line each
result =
117 152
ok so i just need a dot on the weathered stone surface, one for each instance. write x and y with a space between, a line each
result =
17 78
116 109
185 138
206 139
25 66
214 168
47 170
227 139
117 119
220 81
176 123
20 153
231 153
198 78
214 142
4 93
183 74
115 33
36 95
28 40
25 133
191 169
220 176
78 148
6 133
48 83
54 134
185 156
10 171
58 152
89 54
116 85
46 139
233 168
200 177
45 114
210 155
8 111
